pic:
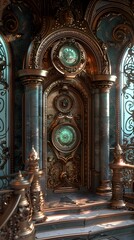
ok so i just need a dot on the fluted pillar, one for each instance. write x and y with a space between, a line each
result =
103 83
32 80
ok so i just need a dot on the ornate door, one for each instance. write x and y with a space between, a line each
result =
67 134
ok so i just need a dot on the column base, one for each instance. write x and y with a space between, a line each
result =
118 204
95 180
104 189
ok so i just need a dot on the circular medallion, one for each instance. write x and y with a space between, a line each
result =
64 103
69 55
66 137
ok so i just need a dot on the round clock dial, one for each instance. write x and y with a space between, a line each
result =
66 137
69 55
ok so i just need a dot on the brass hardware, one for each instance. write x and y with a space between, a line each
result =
36 194
117 179
24 226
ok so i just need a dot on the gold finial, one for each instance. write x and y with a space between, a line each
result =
33 155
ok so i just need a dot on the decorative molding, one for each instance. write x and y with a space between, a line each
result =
39 47
104 82
32 76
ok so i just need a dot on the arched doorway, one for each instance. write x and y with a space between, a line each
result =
64 122
67 120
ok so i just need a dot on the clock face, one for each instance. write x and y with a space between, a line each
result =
65 137
69 55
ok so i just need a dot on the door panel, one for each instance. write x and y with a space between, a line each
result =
67 139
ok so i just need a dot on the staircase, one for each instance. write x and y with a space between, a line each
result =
76 217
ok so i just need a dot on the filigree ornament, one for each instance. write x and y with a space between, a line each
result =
54 172
128 96
4 154
2 67
67 175
129 65
128 176
128 149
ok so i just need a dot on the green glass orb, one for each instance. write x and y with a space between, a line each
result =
69 55
65 135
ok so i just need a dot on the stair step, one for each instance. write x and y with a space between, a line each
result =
87 221
76 208
105 229
85 217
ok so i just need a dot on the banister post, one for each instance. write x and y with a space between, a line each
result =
24 228
36 193
117 179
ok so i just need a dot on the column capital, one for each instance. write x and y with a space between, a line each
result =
103 81
32 76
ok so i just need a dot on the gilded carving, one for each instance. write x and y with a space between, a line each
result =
54 173
67 175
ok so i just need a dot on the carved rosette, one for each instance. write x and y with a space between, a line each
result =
64 102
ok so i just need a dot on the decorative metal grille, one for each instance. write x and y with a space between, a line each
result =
128 105
4 106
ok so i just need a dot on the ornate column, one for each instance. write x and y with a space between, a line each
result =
104 83
95 139
32 80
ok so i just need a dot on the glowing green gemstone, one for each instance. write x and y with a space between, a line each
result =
69 55
65 135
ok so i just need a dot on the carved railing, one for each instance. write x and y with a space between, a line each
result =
16 211
21 202
122 181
